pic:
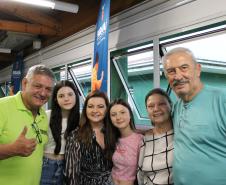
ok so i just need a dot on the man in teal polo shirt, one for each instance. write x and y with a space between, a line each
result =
199 123
23 129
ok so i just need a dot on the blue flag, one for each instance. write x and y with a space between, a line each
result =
100 63
16 74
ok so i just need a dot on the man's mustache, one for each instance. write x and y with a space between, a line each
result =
179 82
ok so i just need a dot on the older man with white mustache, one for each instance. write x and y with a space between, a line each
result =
199 122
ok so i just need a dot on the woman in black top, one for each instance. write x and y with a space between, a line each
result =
86 163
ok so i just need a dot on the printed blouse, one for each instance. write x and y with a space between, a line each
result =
86 165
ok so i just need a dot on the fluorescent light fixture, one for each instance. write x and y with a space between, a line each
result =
4 50
43 3
57 5
67 7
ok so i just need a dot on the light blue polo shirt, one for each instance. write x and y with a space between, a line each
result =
200 139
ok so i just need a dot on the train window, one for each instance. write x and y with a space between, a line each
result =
208 46
132 78
4 89
80 73
59 73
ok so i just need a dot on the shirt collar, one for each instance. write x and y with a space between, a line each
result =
20 104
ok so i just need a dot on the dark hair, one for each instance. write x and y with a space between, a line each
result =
160 92
85 130
56 115
113 133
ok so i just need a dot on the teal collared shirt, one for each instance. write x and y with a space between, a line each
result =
200 139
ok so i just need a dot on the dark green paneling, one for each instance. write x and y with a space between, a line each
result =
141 86
86 86
213 79
1 93
116 87
57 76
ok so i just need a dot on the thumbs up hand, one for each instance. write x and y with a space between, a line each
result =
23 146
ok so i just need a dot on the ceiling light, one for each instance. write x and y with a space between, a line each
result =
37 44
67 7
3 50
57 5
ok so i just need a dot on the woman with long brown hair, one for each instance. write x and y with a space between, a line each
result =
86 163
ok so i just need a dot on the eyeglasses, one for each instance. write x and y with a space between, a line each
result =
37 131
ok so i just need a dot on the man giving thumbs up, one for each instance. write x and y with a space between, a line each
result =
23 128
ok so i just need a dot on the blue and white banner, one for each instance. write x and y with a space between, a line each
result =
17 74
100 63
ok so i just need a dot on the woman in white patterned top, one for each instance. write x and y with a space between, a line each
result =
63 119
156 152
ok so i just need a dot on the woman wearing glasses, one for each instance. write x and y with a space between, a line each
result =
86 163
156 152
63 119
